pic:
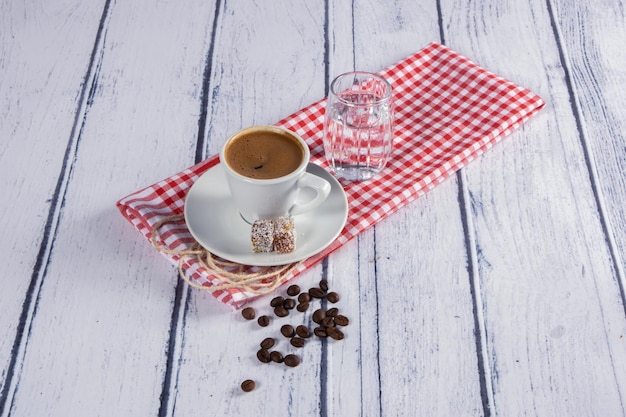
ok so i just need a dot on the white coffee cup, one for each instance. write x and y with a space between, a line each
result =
271 193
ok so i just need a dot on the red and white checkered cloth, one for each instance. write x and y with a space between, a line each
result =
448 111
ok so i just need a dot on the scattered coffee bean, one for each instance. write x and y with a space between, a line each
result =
277 301
248 385
268 343
316 292
327 322
281 311
287 330
276 356
297 342
332 312
332 297
263 321
335 333
248 313
303 331
319 315
289 303
341 320
263 355
320 332
293 290
292 360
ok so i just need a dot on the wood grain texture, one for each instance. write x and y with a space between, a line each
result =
98 341
411 268
597 79
524 193
267 63
43 68
501 292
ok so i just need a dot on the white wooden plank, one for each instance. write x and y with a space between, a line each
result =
409 279
268 62
98 344
347 269
552 307
43 65
267 65
548 291
591 41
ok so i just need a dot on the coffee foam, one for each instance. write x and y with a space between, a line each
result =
264 154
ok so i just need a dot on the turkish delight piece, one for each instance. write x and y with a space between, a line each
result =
262 236
284 235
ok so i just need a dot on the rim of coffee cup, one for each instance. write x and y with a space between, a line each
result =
260 181
378 100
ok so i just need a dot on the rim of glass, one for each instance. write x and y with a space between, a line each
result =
354 74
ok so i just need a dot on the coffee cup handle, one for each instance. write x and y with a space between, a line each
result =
317 184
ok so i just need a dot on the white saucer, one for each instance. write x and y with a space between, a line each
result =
216 224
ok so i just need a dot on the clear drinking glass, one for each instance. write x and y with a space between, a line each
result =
358 125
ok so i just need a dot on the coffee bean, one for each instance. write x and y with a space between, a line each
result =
304 297
276 356
302 307
289 303
292 360
341 320
297 342
267 343
324 285
293 290
248 385
303 331
287 330
327 322
277 301
320 332
319 315
263 321
263 355
332 297
335 333
248 313
316 292
281 311
332 312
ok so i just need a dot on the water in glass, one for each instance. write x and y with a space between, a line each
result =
358 128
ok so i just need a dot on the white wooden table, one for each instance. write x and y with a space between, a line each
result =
501 292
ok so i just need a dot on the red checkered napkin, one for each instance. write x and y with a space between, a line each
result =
448 111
